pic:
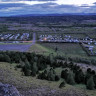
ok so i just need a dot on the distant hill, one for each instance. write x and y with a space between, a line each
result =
55 14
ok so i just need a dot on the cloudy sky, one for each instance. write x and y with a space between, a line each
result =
21 7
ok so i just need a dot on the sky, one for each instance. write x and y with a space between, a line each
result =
21 7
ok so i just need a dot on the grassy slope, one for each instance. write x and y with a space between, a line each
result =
8 74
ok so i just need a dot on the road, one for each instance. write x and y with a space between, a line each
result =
25 49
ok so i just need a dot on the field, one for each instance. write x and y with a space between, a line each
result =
66 49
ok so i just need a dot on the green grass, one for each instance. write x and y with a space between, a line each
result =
38 48
83 87
64 49
67 49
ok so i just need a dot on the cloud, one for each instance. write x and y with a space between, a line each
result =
75 2
59 2
24 2
10 9
19 7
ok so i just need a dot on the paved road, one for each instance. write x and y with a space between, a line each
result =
28 46
18 47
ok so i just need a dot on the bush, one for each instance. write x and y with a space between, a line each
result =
27 72
62 84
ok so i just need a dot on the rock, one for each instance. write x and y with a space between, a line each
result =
8 90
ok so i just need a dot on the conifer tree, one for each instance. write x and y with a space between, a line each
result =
70 78
90 83
34 69
64 74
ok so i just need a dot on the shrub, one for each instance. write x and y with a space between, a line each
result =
62 84
27 72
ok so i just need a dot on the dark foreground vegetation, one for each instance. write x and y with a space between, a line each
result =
43 67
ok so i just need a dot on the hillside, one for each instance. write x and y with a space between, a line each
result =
30 86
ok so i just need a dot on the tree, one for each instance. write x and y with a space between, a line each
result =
88 75
64 65
35 58
7 58
51 75
90 83
64 74
57 78
94 78
34 69
1 57
27 72
89 70
70 78
79 76
21 64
